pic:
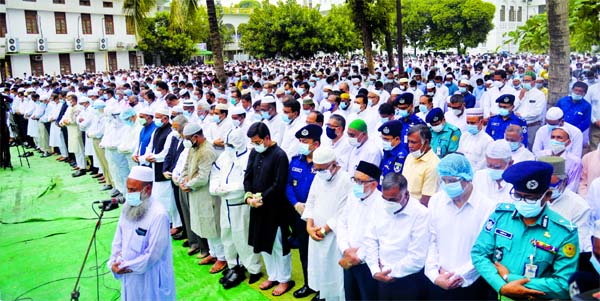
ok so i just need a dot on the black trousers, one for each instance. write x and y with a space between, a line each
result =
299 229
359 284
178 204
411 287
478 290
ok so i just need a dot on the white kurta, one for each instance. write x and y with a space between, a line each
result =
574 208
144 247
488 187
325 205
473 147
369 152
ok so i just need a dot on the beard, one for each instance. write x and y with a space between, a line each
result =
136 213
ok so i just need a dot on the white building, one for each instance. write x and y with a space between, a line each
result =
53 37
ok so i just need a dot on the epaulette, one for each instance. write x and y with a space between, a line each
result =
505 207
561 221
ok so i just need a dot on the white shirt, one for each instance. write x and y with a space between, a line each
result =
473 147
290 143
485 185
398 242
593 96
593 198
368 152
276 128
453 234
532 105
488 99
574 208
457 121
522 154
342 150
352 226
218 131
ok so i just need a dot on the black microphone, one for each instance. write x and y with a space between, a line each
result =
112 204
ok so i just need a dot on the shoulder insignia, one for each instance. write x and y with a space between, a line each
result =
505 207
489 225
569 250
565 223
454 138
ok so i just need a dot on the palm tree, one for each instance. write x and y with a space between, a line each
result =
558 32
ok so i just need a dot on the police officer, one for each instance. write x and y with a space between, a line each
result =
525 249
301 175
394 152
444 136
498 123
404 111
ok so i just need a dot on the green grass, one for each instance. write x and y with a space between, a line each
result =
46 222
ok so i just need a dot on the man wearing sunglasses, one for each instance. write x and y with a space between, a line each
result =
526 250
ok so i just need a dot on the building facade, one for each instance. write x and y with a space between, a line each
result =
51 37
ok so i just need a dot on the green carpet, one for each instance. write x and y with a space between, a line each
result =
46 222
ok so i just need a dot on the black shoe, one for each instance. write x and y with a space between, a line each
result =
45 155
303 292
193 251
254 277
317 297
236 278
106 187
179 236
226 274
186 244
78 173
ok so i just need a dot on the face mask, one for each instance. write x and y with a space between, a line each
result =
480 87
529 210
236 123
343 105
355 108
514 145
265 115
260 148
437 128
325 175
304 149
403 88
462 90
257 117
456 112
288 92
232 101
133 199
216 118
392 207
158 122
286 118
300 91
517 87
129 122
330 133
448 84
438 85
384 120
576 97
311 84
417 154
353 142
401 113
453 189
495 174
539 85
187 114
202 117
498 84
305 112
595 263
556 193
503 112
205 90
431 93
358 190
423 109
527 86
187 143
557 146
472 129
387 145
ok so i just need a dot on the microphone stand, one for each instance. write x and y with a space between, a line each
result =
75 292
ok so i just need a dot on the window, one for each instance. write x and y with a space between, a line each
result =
58 1
65 63
511 14
90 63
31 23
60 22
86 24
84 2
541 9
107 4
37 66
112 61
502 13
109 25
520 14
2 1
3 28
133 63
129 25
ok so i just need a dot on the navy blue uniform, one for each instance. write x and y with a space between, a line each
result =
407 123
497 126
393 160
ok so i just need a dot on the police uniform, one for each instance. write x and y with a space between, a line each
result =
497 124
393 160
408 121
546 252
300 177
446 141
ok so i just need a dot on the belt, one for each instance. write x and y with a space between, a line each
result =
233 205
539 122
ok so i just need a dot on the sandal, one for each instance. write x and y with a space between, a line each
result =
290 285
267 284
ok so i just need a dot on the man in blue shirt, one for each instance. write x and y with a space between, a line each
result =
404 112
497 124
301 175
577 111
146 119
394 152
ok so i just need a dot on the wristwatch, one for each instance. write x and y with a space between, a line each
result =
323 232
505 277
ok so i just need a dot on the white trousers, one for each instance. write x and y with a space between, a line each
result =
215 247
163 192
234 235
118 168
279 267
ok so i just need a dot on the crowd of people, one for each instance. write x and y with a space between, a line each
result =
453 179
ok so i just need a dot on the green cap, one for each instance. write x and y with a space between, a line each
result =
359 125
557 162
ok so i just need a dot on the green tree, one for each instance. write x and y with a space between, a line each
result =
360 11
415 17
338 31
459 23
157 40
248 4
532 36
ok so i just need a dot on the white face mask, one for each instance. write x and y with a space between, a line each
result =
325 175
353 141
236 123
187 143
260 148
437 128
417 154
392 207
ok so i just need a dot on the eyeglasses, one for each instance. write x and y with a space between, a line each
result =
361 182
258 142
517 197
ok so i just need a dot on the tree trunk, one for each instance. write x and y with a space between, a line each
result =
399 44
215 40
367 39
558 32
389 48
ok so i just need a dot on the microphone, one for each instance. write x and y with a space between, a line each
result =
111 204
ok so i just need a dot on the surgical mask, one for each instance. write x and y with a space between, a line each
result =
265 115
343 105
330 133
527 86
495 174
576 97
462 90
595 263
325 175
514 145
392 207
216 118
187 143
353 141
305 112
311 84
205 90
498 84
286 118
556 193
142 121
480 87
448 84
260 148
304 149
517 87
187 114
503 112
401 113
300 91
232 101
423 109
387 145
236 123
539 85
453 189
431 93
403 88
529 210
133 199
129 122
358 190
158 122
417 154
437 85
288 92
257 117
472 129
557 146
384 120
456 112
437 128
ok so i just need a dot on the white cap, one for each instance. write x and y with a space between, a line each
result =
203 104
280 91
464 82
430 85
141 173
177 109
92 93
183 91
355 80
554 113
188 103
499 149
474 112
404 80
162 111
21 90
327 87
236 137
323 155
83 99
147 111
237 110
396 91
191 128
99 104
267 99
222 106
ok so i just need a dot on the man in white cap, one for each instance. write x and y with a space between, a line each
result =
204 209
239 118
488 181
474 141
324 206
221 125
269 112
141 256
227 182
555 118
560 140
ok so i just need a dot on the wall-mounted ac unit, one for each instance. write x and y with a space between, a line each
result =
120 45
12 45
103 44
78 44
41 45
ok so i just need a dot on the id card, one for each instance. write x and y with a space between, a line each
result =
530 270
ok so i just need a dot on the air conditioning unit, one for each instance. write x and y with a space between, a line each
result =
120 45
41 45
12 45
103 44
78 44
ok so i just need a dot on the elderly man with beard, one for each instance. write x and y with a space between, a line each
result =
141 255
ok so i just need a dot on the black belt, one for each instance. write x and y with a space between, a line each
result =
233 205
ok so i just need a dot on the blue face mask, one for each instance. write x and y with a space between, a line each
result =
285 118
304 149
187 114
453 189
257 117
384 120
423 109
343 105
158 122
401 113
576 97
527 86
265 115
529 210
438 85
480 87
300 91
311 84
133 199
472 129
495 174
387 145
129 122
503 112
539 85
358 190
462 90
448 84
514 145
216 118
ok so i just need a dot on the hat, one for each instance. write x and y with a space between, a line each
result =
391 128
237 110
499 149
395 91
529 176
268 99
98 104
177 109
280 91
147 111
191 129
310 131
91 93
355 80
222 107
554 113
404 80
183 92
464 82
359 125
434 115
188 103
323 155
558 163
308 101
83 99
236 137
369 169
430 85
162 111
506 98
141 173
404 99
474 112
126 114
345 96
455 165
327 87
